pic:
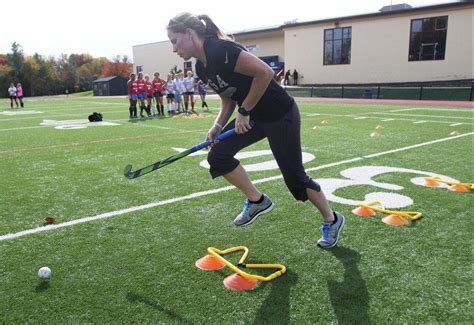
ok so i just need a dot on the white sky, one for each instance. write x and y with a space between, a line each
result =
112 27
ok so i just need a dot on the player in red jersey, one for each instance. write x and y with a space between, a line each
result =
142 94
149 96
132 95
158 86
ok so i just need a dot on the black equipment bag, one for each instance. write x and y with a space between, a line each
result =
95 117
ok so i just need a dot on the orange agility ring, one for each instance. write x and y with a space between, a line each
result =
394 218
459 188
455 187
241 280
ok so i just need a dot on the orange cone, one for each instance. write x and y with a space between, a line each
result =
455 133
431 182
209 263
363 212
380 126
395 220
324 122
374 135
316 127
459 188
239 283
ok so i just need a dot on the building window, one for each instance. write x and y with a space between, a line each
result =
337 45
139 69
428 38
188 66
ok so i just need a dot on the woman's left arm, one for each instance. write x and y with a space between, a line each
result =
249 65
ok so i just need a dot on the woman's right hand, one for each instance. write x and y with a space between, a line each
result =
213 132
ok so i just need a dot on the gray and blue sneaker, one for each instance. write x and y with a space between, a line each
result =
331 232
252 211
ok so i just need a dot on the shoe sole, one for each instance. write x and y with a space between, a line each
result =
337 238
268 209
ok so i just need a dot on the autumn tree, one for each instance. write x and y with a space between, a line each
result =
120 66
42 76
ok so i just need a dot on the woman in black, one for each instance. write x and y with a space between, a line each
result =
243 80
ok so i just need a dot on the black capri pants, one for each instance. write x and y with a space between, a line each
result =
284 139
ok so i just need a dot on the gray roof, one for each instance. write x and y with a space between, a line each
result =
105 79
400 6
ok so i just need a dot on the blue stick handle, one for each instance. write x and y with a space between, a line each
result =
220 137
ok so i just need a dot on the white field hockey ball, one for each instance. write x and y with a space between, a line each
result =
44 272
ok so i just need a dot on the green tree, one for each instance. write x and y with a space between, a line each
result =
16 60
30 71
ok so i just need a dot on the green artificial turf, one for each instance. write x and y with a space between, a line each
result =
138 266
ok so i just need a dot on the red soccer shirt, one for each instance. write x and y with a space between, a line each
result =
141 86
158 85
149 88
132 87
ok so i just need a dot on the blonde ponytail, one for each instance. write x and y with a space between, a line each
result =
202 24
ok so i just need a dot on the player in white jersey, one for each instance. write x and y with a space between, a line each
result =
12 93
169 88
179 91
189 84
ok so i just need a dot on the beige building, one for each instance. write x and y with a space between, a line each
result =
396 44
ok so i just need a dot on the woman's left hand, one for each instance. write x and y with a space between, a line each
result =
242 124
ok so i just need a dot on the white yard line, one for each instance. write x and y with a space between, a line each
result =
422 115
209 192
26 128
455 124
355 117
432 109
419 122
51 115
403 109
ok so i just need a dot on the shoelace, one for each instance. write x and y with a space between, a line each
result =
246 205
325 228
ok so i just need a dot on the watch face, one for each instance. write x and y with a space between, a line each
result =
243 111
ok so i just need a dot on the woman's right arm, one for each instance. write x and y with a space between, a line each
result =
227 108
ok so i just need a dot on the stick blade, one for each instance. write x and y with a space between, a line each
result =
127 172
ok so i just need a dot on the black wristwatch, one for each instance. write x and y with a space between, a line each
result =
243 111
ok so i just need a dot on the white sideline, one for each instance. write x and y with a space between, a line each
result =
204 193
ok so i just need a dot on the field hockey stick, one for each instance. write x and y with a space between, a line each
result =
162 163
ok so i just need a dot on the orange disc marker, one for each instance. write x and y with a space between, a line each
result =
395 220
459 188
374 135
455 133
380 126
209 263
239 283
431 182
363 212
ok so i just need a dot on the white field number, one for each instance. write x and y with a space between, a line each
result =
356 176
74 124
